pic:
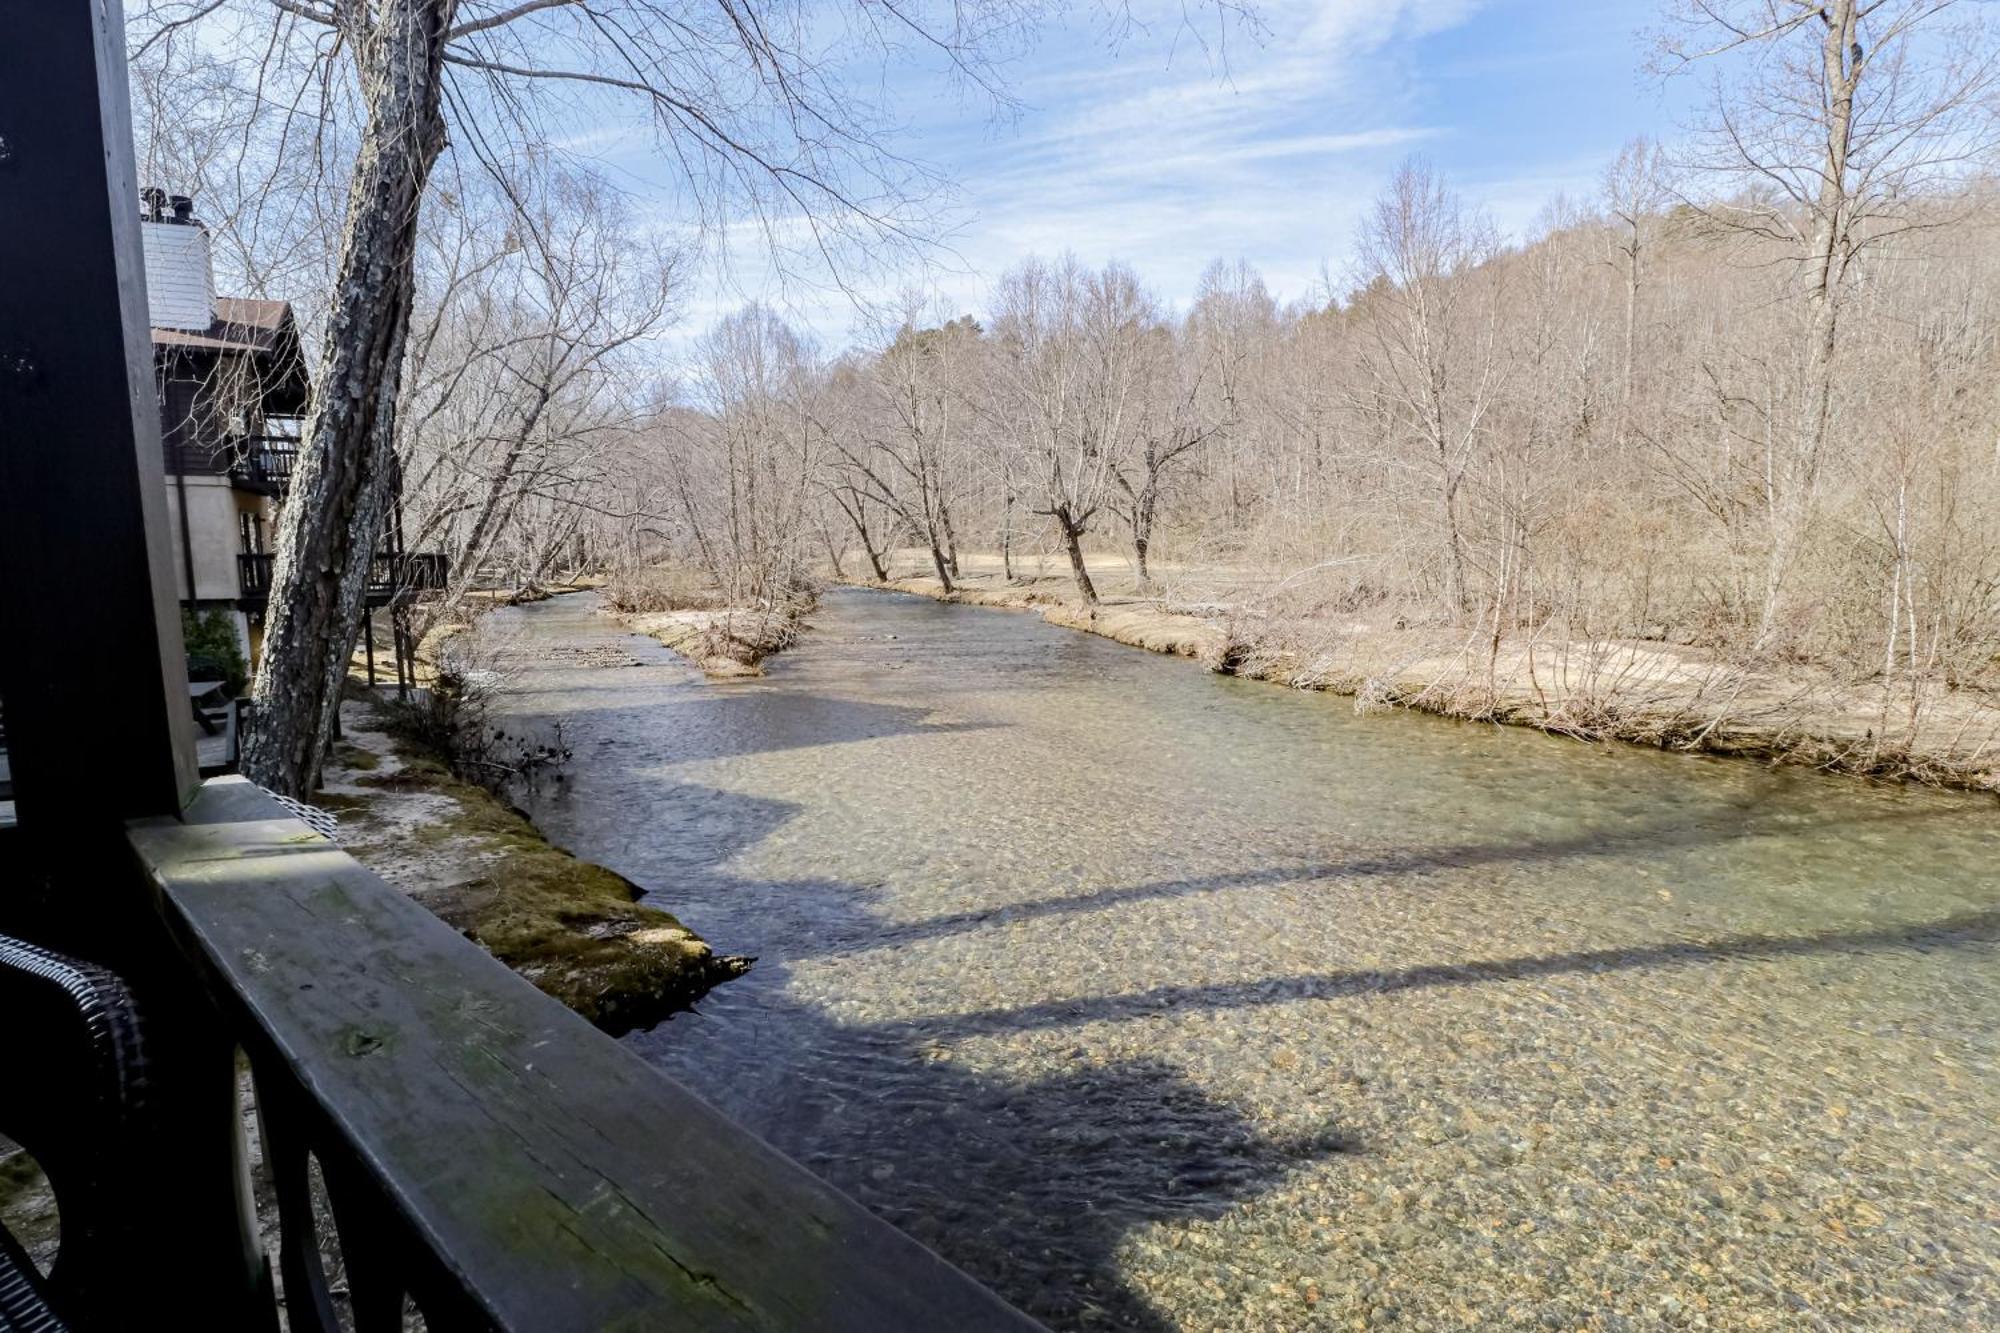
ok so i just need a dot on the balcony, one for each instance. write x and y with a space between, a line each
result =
259 463
263 463
389 575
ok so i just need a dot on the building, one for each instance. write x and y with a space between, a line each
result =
233 388
232 382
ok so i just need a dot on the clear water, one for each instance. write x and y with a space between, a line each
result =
1158 999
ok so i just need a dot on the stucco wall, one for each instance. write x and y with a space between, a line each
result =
213 537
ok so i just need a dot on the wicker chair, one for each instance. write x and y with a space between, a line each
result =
76 1099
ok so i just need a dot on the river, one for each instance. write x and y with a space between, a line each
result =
1159 999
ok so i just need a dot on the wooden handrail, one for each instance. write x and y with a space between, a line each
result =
488 1152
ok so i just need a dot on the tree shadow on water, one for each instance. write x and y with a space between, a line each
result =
1031 1186
732 722
1035 1175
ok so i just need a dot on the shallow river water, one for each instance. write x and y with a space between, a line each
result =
1163 1000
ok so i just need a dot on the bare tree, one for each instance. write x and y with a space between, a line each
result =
1172 427
1434 362
902 444
1636 193
1069 347
1841 118
520 371
744 105
748 470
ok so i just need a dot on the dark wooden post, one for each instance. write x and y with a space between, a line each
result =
93 673
92 669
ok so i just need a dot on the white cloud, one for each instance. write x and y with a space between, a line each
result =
1166 159
1167 149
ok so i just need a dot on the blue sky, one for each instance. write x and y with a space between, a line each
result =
1150 150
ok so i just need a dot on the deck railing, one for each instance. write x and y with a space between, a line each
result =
489 1156
389 573
265 462
262 463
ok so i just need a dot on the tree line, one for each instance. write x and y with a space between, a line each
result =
1740 396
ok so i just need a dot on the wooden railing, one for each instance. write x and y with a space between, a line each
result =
266 462
489 1155
258 462
388 573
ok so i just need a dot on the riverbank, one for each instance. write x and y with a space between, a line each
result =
576 930
1657 694
727 643
685 612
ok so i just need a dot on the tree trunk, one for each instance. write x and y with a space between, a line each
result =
1007 540
1841 64
346 468
484 523
950 537
1073 539
832 552
1631 331
1142 528
874 557
942 566
1456 595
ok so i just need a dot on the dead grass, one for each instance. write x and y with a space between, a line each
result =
1646 693
725 643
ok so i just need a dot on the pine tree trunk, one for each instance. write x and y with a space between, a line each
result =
346 469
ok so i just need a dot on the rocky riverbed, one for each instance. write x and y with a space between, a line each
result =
1159 999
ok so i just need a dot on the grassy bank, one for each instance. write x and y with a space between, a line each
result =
575 929
1649 693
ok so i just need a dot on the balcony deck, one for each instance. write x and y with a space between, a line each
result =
390 574
261 464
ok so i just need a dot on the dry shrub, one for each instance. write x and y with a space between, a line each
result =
640 589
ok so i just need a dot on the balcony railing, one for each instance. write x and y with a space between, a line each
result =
388 574
262 463
489 1156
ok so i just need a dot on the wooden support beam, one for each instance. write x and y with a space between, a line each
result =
92 672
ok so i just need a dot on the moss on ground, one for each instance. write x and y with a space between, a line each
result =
573 928
353 756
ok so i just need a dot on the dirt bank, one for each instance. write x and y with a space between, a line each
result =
726 643
1642 692
575 929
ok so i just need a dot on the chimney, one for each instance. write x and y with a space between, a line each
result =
180 275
